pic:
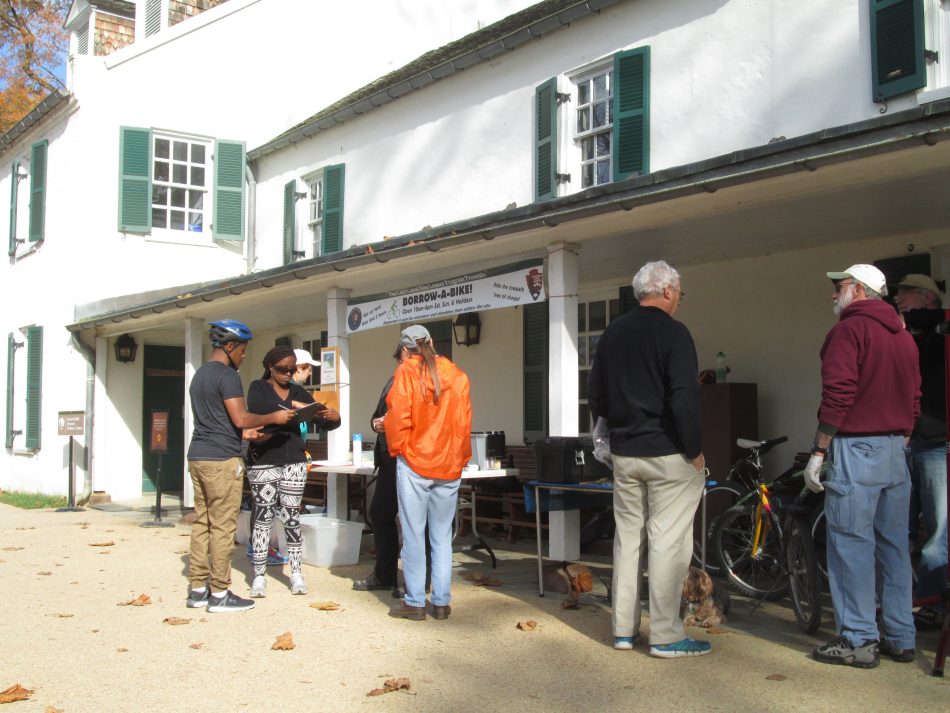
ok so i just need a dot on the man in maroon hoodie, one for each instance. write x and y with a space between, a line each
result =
870 399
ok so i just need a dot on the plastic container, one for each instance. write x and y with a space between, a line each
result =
357 449
720 368
487 445
243 533
568 459
328 542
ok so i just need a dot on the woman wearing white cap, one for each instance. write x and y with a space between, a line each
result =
428 428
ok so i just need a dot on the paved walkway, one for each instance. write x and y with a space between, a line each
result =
64 636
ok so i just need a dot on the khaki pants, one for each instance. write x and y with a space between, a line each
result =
218 485
655 501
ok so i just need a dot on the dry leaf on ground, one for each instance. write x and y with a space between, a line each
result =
140 601
11 549
44 574
715 631
393 684
570 603
325 606
121 650
50 709
479 579
64 616
14 693
27 528
284 642
182 552
775 677
175 620
196 646
110 543
527 625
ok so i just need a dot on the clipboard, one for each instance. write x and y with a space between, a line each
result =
305 413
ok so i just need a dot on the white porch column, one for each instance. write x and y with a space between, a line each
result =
564 525
99 462
339 441
194 344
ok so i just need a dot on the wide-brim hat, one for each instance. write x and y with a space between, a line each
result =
922 282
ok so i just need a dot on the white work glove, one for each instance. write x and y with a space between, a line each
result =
811 473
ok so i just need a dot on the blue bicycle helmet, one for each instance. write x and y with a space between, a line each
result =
229 330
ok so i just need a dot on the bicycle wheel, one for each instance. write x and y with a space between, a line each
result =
819 540
761 575
803 575
719 498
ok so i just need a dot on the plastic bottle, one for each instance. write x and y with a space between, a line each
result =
720 368
357 449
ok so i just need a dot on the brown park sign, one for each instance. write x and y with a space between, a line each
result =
71 423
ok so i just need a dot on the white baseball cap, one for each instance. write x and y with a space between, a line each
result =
865 274
303 357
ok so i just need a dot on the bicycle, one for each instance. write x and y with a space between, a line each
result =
763 543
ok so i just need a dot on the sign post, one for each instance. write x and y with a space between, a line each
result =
71 423
158 446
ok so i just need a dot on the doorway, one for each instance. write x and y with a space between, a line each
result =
164 390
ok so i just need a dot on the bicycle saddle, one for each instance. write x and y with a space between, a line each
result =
760 445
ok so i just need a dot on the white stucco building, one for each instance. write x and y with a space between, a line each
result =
753 145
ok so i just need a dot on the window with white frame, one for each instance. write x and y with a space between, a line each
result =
593 317
315 216
937 42
180 175
593 124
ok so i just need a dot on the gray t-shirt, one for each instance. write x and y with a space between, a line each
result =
215 437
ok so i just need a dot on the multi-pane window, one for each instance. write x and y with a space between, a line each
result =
593 124
180 175
315 217
592 320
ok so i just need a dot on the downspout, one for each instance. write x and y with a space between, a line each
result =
251 256
90 355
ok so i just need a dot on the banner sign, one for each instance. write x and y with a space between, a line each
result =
505 286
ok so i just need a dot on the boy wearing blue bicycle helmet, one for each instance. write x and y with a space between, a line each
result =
221 420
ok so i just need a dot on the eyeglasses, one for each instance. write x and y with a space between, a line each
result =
285 370
842 283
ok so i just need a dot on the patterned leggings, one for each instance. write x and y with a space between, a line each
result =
270 483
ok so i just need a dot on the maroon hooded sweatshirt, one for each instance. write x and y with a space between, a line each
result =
870 377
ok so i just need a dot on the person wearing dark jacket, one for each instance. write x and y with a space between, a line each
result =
870 399
278 470
644 382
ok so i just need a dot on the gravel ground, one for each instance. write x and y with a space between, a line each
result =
64 636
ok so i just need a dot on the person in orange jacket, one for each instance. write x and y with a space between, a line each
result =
428 429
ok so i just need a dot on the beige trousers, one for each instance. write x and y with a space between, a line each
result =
655 501
218 485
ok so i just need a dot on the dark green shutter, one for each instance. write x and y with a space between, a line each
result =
290 221
897 47
11 356
38 191
535 334
229 160
34 385
135 180
545 140
14 181
631 131
333 179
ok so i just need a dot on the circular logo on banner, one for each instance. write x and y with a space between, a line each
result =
355 319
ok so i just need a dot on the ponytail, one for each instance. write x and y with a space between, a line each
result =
427 352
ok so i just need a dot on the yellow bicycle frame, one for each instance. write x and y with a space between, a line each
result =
761 529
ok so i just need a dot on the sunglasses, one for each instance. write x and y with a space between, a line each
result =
842 283
285 370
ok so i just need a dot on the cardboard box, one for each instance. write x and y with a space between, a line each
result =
328 542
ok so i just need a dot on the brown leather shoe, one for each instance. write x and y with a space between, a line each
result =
439 612
404 611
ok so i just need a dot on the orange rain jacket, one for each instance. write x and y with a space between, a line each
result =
434 439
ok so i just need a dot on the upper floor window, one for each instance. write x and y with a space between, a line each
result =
593 125
315 219
180 174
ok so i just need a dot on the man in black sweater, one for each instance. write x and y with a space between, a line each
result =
644 382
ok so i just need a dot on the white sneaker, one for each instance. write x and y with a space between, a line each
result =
259 587
297 585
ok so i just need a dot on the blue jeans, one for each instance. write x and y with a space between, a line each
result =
928 472
867 500
422 501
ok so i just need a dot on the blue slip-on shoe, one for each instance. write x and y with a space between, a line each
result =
683 647
625 643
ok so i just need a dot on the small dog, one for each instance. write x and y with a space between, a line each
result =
570 579
700 605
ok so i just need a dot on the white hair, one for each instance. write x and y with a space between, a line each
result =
653 278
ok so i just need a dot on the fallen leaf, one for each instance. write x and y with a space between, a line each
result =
11 549
284 642
480 580
182 552
175 621
50 709
106 552
196 646
65 616
45 574
140 601
716 631
202 620
27 528
2 561
527 625
775 677
570 603
110 543
16 692
325 606
121 650
393 684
